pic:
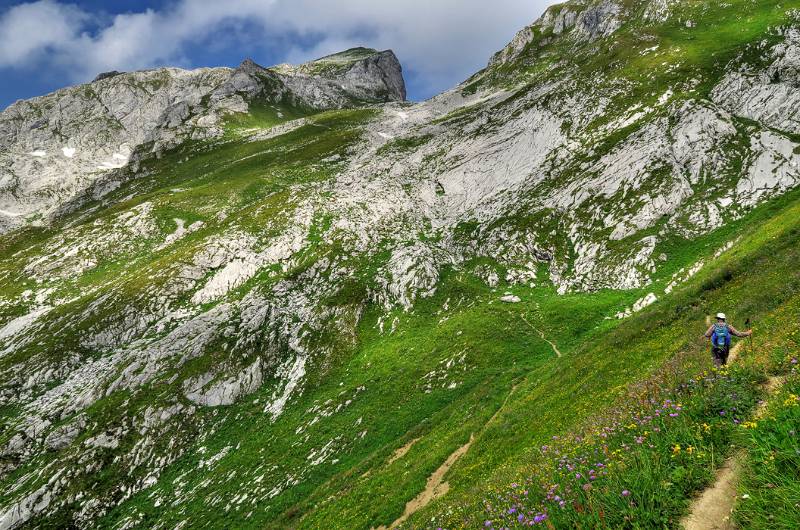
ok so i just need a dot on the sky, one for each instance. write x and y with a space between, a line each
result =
48 44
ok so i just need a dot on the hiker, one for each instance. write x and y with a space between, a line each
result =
720 335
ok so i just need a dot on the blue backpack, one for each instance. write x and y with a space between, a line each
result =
721 338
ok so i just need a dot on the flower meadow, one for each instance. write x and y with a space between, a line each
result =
770 488
636 465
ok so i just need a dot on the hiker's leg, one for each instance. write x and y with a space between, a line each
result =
716 354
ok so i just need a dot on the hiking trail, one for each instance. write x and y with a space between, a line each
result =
541 334
713 508
436 486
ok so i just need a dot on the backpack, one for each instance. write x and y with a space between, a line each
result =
721 338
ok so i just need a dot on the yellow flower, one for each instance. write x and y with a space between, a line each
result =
676 450
706 427
690 449
792 400
749 425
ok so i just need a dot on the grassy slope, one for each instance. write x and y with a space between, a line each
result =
552 395
756 279
770 485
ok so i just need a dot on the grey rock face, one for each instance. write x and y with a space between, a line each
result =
55 148
600 20
588 20
769 93
358 74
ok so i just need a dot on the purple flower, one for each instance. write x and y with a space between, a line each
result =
539 518
673 414
512 510
625 493
520 518
487 524
578 475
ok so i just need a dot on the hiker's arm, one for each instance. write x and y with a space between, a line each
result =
709 332
735 332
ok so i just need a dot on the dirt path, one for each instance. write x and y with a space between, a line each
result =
436 486
541 334
400 453
713 508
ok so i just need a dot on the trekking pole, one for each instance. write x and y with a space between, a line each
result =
747 326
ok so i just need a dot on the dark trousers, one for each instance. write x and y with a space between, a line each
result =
720 355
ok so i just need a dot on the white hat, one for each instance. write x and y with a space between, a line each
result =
721 316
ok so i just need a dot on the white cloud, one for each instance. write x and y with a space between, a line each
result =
29 30
438 41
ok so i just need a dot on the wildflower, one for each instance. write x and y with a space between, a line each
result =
791 400
673 414
539 518
487 524
626 493
587 487
706 427
690 449
676 450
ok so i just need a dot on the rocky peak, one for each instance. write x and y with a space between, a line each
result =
362 73
106 75
582 19
249 65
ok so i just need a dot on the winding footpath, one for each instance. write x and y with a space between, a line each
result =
541 334
436 485
712 510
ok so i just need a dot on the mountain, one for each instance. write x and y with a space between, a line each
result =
61 147
286 297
